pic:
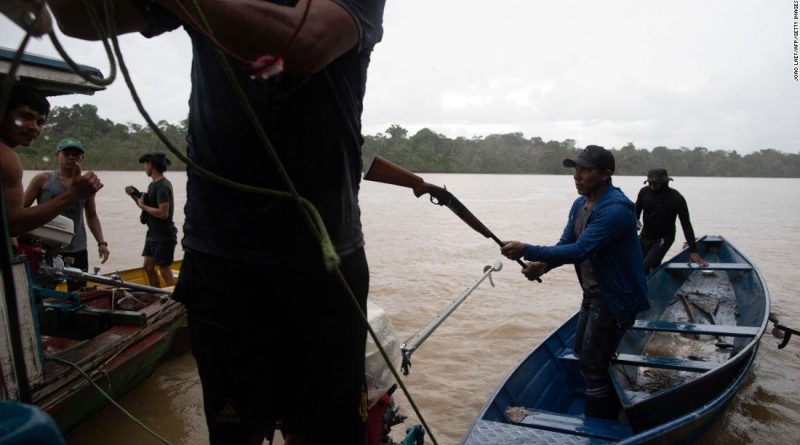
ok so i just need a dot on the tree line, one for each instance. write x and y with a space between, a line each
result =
114 146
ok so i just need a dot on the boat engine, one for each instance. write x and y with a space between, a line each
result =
39 245
383 412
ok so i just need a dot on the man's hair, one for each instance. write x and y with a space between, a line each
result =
23 95
159 161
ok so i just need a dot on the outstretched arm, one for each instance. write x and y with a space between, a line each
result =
93 222
328 31
34 189
74 21
22 219
688 233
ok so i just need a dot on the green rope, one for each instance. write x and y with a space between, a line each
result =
385 356
110 399
330 258
313 219
102 34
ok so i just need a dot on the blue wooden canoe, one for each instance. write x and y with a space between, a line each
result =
675 371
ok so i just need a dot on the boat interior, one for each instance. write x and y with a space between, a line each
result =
700 318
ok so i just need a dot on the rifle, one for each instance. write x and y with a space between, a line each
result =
381 170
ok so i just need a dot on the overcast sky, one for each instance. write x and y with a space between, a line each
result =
682 73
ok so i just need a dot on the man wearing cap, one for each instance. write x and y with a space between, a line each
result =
600 240
158 206
661 205
47 186
21 124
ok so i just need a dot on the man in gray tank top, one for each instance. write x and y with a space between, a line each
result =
46 186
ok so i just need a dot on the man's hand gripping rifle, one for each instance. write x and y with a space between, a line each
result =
381 170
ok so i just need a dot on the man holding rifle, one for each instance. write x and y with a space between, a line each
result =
283 340
600 240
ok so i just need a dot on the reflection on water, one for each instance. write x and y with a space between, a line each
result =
421 256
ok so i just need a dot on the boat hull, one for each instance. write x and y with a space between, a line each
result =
541 401
115 336
80 400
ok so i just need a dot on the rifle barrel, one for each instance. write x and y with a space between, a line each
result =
381 170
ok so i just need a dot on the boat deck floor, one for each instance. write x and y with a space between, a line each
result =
490 432
686 339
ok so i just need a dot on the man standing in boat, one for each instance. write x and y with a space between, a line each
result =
275 334
158 207
24 118
600 240
46 186
660 205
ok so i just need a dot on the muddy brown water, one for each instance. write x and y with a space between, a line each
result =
421 256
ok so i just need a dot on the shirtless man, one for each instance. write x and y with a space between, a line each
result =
21 124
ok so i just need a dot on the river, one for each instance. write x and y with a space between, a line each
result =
421 256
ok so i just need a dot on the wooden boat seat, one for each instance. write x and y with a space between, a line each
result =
576 425
654 362
665 363
695 328
711 266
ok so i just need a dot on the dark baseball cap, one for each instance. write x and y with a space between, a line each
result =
66 143
593 156
658 175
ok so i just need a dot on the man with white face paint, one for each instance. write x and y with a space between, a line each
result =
25 115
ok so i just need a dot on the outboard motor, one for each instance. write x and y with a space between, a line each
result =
47 268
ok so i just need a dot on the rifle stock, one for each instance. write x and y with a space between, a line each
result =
381 170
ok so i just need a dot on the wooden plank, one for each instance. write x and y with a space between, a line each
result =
656 362
665 363
696 328
577 425
710 266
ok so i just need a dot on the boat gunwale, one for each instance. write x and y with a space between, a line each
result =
703 412
731 361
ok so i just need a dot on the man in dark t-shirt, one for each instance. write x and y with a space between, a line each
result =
660 205
282 342
158 206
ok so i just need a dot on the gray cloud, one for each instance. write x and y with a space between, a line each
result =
716 74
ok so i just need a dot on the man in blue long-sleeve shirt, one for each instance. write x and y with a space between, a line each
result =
600 240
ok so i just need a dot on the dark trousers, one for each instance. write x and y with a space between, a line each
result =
596 339
277 344
653 251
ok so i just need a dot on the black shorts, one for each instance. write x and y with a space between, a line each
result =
161 250
276 344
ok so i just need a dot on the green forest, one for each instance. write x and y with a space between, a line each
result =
114 146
